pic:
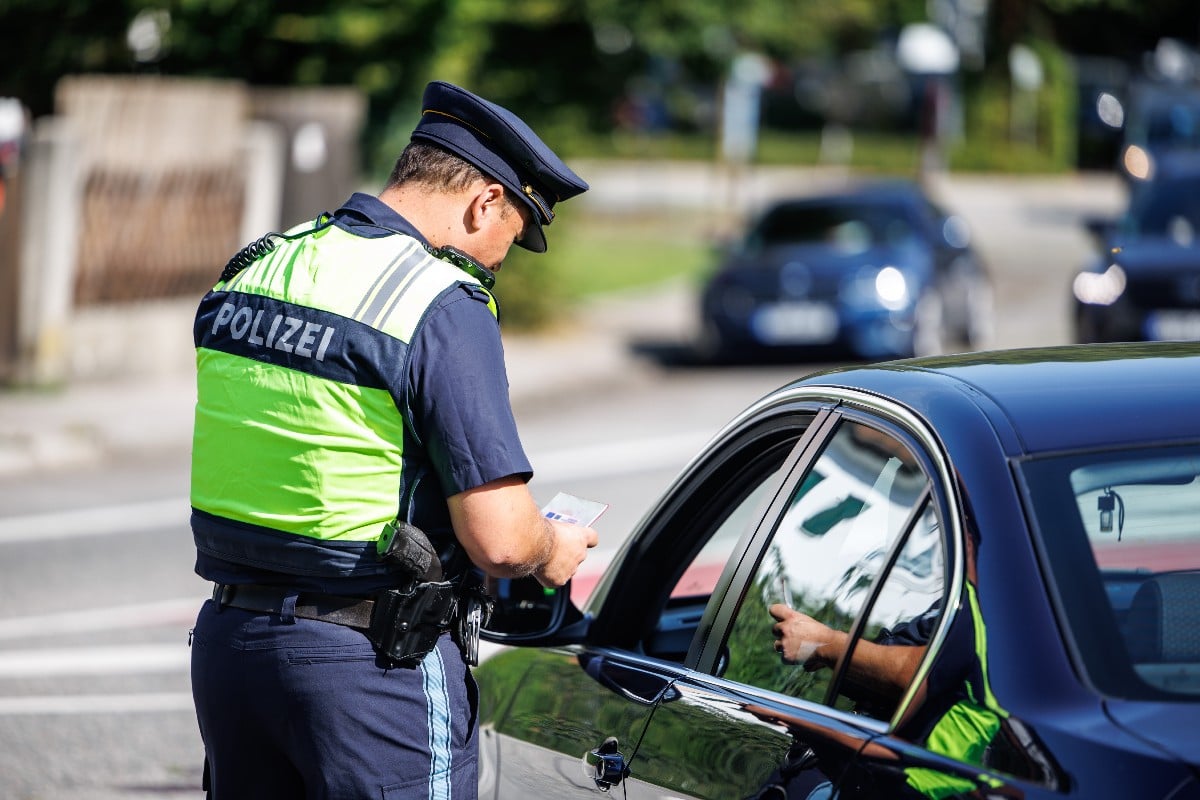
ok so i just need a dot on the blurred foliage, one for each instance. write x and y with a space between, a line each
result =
575 70
564 66
1030 132
561 65
594 254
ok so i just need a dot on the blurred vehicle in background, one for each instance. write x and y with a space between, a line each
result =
876 270
1161 118
1144 283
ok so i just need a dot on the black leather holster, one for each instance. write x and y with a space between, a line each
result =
406 623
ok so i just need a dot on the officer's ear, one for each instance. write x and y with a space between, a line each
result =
488 204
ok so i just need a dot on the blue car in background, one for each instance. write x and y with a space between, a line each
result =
1143 283
1163 118
875 271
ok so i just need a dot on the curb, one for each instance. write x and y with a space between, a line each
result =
94 421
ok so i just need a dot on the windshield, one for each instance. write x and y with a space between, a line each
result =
849 227
1168 207
1170 122
1121 530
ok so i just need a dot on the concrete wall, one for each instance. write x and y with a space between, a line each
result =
109 126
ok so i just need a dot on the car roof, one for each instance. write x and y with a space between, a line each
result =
881 190
1049 399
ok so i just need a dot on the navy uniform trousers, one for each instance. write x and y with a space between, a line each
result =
296 708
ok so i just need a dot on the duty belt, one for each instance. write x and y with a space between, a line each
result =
402 624
353 612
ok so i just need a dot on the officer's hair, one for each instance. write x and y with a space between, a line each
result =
433 167
440 170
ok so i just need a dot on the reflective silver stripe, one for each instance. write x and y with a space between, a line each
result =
390 279
438 700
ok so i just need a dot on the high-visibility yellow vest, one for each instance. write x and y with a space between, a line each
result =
301 361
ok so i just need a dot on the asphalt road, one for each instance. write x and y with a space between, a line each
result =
97 593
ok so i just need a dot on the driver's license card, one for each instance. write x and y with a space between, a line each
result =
569 508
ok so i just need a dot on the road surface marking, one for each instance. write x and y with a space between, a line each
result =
96 703
180 612
557 466
95 521
134 659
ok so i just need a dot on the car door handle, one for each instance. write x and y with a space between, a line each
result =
605 765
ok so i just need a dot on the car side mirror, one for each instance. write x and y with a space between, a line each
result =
525 612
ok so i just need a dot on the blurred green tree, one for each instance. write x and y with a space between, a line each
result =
567 66
577 70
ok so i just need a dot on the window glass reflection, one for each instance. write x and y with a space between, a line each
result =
830 543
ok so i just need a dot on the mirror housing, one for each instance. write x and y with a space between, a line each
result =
527 613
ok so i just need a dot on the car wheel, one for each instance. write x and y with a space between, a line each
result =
927 336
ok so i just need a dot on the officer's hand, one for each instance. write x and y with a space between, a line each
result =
571 543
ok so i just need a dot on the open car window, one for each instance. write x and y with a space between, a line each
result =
899 623
655 603
833 538
700 577
685 607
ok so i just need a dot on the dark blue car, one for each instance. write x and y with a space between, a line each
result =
1163 119
1143 283
874 271
972 576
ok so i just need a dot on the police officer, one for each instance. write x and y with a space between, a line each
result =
352 395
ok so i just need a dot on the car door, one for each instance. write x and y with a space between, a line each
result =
744 724
566 721
866 538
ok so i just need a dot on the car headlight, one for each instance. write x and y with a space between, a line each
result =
1100 288
875 288
1138 163
891 288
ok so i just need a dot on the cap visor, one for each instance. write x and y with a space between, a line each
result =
534 239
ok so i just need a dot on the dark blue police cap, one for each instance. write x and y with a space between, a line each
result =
502 146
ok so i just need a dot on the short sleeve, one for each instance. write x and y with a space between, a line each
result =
458 395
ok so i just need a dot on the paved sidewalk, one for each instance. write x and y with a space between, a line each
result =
88 422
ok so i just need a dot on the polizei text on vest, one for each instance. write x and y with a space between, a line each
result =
280 332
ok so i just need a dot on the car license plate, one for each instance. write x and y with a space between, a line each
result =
795 323
1173 325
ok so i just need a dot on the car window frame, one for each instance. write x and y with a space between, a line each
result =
630 599
880 573
924 500
734 573
941 492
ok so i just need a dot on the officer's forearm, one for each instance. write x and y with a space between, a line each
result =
502 530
